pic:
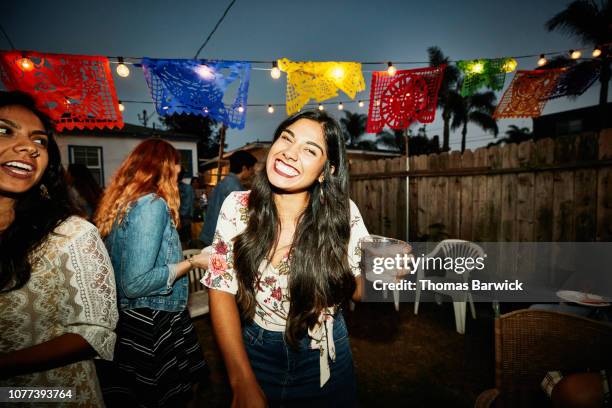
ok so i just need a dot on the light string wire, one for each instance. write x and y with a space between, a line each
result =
214 29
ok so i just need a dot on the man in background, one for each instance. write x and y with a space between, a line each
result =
242 169
187 197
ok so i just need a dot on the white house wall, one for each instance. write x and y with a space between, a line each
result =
115 150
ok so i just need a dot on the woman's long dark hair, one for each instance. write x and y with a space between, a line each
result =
37 213
85 184
319 271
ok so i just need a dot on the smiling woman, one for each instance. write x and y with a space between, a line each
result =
285 257
23 149
57 289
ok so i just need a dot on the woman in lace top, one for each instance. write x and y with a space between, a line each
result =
57 289
285 257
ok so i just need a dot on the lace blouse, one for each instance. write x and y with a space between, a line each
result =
272 290
71 290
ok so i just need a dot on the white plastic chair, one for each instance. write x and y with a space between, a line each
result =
452 248
198 293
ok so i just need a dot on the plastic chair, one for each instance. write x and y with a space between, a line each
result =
198 293
452 248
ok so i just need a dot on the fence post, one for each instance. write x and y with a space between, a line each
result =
407 186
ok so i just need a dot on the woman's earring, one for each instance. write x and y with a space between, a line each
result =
44 192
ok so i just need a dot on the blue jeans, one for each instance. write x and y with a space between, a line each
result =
290 378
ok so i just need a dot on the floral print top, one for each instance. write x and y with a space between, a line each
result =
272 291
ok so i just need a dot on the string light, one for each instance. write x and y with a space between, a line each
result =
25 63
205 72
542 61
510 65
477 68
122 69
276 72
338 72
596 52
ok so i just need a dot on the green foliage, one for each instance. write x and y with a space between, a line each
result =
448 85
418 143
590 22
514 134
354 126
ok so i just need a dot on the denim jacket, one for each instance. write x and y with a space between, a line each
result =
144 249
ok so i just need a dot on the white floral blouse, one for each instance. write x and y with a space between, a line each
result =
272 291
71 290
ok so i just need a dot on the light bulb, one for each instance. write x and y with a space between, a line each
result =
596 52
391 70
25 64
122 70
340 106
360 103
575 54
240 109
206 110
321 107
205 72
121 107
542 61
270 109
477 68
510 65
276 72
338 72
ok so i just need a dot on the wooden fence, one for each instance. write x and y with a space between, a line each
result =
550 190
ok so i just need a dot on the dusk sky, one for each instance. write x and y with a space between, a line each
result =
385 30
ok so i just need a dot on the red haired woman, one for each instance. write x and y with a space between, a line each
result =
157 349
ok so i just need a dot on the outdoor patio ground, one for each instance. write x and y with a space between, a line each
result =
400 359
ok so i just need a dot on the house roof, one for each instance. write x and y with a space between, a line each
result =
130 130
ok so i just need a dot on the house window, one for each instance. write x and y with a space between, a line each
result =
91 157
186 162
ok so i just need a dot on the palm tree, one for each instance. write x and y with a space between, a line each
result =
477 109
392 138
418 143
447 87
514 134
589 21
354 125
